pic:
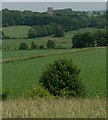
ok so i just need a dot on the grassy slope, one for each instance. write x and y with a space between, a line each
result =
62 41
16 31
16 54
20 76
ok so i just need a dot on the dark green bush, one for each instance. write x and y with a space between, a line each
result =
23 46
41 47
50 44
37 91
5 94
33 45
81 40
62 79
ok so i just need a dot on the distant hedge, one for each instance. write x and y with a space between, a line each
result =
87 39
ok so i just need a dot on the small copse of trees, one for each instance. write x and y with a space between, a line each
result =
87 39
46 30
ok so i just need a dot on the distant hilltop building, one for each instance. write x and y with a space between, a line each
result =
50 10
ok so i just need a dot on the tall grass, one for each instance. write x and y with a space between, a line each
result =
55 108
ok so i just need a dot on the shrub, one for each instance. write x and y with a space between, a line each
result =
33 45
62 79
5 94
23 46
37 91
7 47
41 47
81 40
32 33
50 44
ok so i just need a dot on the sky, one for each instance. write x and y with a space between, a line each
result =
42 6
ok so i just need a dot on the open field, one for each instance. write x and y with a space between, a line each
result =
55 108
64 42
21 75
24 56
16 31
26 53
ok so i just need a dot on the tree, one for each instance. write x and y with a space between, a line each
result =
59 32
101 38
62 79
32 33
33 45
50 44
23 46
81 40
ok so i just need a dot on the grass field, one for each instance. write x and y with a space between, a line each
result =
16 54
92 63
64 42
20 76
16 31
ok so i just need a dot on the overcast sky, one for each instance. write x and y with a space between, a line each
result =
42 6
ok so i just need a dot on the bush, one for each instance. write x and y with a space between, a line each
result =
23 46
50 44
81 40
5 94
33 45
32 33
37 91
41 47
101 38
62 79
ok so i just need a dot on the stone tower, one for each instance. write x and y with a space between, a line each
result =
50 10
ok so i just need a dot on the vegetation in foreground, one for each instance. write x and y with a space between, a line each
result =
55 108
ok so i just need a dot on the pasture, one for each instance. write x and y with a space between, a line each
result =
62 42
19 76
19 31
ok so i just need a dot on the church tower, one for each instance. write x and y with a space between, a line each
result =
50 10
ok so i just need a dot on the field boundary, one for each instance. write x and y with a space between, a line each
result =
9 60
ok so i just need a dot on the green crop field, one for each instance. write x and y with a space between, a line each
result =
19 76
16 31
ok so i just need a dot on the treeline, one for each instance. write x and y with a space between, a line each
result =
87 39
46 30
66 18
50 44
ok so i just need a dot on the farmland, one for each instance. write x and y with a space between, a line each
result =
20 75
91 62
64 42
19 31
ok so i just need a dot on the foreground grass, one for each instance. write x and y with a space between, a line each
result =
55 108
